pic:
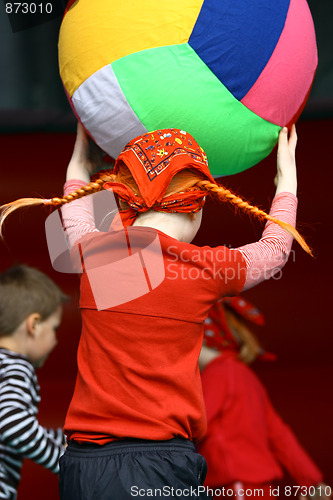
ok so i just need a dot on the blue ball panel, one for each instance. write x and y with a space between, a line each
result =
236 38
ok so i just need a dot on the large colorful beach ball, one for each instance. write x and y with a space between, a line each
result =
230 72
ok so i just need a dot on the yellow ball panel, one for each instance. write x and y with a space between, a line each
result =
96 33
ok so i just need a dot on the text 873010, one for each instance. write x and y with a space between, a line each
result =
28 8
312 491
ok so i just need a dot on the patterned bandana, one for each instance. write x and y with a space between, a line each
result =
153 159
218 333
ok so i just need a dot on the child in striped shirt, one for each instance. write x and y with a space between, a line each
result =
30 313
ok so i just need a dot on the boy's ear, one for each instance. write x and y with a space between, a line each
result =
32 322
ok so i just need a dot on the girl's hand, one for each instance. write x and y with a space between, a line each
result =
80 167
286 177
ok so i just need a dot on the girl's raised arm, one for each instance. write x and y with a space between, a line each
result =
77 216
266 257
80 167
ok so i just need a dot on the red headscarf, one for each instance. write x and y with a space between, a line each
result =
153 159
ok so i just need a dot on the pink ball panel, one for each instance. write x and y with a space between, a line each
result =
285 81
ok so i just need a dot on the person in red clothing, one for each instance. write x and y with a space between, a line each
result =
145 290
246 442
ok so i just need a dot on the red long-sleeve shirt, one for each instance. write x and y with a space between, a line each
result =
137 358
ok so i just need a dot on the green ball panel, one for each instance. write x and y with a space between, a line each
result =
170 86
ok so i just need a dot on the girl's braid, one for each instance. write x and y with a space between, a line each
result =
221 192
92 187
225 194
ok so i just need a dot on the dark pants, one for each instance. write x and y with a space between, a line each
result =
131 469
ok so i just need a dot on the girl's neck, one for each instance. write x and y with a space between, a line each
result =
180 226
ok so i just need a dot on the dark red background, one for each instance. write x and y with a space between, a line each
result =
298 307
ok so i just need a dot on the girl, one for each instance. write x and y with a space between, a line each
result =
137 407
248 447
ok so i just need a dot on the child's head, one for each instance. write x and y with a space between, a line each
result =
182 224
158 172
30 312
226 329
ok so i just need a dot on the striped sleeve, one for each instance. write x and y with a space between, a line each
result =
266 257
21 434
